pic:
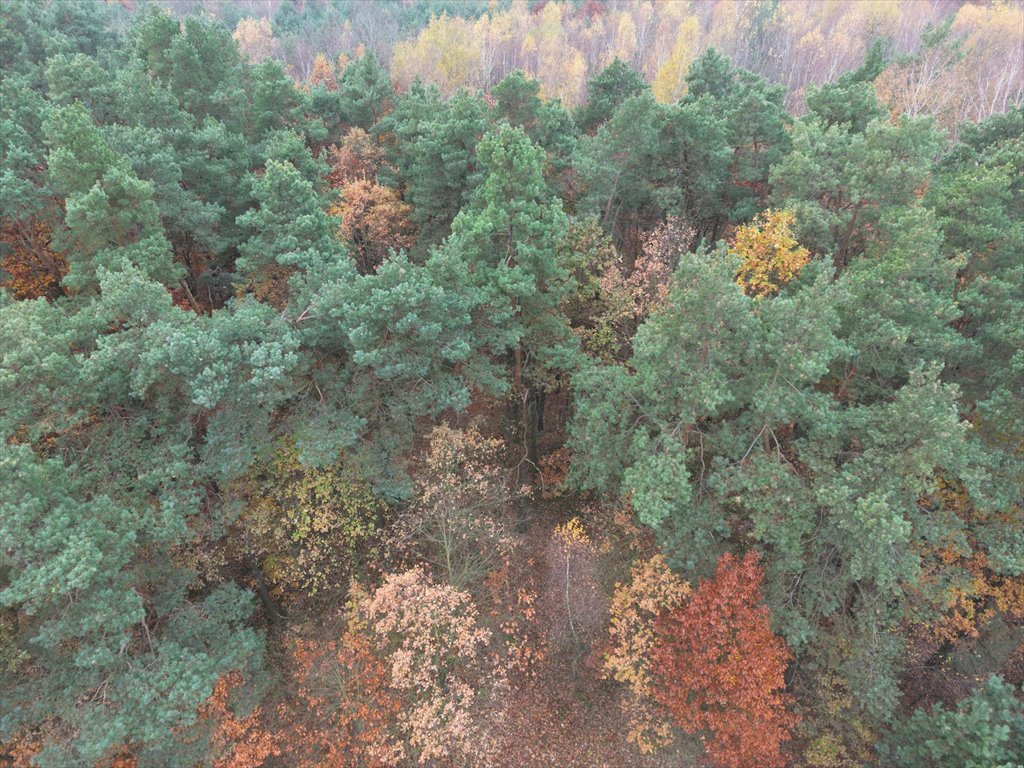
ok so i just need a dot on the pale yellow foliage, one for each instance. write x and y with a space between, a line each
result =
495 34
727 27
436 654
571 86
256 39
662 41
812 43
560 67
447 52
991 73
871 20
625 41
984 76
670 81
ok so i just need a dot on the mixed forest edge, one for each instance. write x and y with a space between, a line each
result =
502 384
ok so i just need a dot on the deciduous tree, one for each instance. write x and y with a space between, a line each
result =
256 40
436 650
770 254
456 522
307 528
374 221
652 591
719 668
344 713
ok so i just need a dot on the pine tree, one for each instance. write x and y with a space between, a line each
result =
506 238
364 92
606 92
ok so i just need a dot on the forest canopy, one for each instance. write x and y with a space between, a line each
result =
451 384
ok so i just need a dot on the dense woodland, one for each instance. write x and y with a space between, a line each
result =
556 384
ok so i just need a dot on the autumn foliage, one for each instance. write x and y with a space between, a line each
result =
436 653
323 73
307 526
770 254
374 221
357 157
238 741
376 378
951 609
719 668
652 590
374 218
456 526
29 268
343 711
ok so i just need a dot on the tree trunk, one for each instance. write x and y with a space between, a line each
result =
273 612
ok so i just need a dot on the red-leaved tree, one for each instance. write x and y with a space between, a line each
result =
720 669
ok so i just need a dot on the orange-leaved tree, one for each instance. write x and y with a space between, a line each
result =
719 668
358 157
342 713
238 741
374 221
323 73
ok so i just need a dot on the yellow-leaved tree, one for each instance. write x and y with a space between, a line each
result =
652 590
446 52
670 81
256 40
560 66
770 253
305 528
